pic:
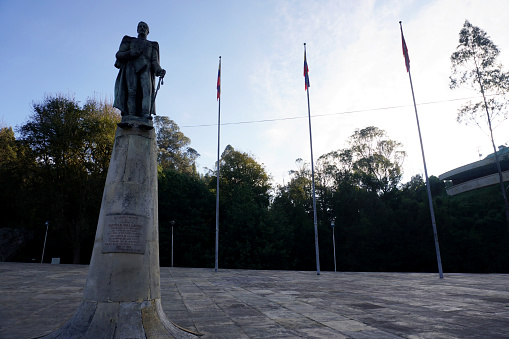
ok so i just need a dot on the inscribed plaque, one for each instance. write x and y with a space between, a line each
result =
125 234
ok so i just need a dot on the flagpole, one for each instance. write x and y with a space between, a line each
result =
430 200
218 163
312 165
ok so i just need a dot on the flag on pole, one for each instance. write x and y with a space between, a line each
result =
430 199
306 86
219 80
306 71
405 52
218 163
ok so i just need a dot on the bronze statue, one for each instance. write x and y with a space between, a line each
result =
138 64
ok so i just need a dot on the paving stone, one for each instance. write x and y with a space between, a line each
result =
347 325
320 333
298 323
268 331
370 334
37 298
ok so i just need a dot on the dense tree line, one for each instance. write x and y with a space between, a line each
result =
381 224
55 171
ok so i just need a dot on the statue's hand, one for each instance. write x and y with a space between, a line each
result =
161 73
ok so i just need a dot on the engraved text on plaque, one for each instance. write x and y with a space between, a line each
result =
125 233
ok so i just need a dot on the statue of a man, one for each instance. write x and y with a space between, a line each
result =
138 61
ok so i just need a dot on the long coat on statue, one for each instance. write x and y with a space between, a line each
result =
147 61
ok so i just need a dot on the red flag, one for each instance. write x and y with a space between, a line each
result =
306 71
405 52
219 80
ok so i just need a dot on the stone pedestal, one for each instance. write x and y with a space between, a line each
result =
122 297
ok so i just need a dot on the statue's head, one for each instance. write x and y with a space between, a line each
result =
143 28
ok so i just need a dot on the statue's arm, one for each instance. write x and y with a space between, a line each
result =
155 60
124 52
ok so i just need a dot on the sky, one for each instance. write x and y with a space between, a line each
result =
356 69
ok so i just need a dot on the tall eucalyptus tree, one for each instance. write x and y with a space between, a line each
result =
474 63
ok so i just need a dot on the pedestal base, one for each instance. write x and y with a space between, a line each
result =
121 320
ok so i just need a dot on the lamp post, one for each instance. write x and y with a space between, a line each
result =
172 224
333 242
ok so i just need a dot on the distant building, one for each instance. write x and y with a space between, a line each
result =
478 174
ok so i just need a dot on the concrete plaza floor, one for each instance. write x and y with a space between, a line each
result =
37 298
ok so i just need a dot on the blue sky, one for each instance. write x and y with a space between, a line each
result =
354 54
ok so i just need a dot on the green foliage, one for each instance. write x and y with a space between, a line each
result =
12 158
186 200
55 171
69 150
377 160
390 231
8 147
173 147
474 63
249 236
293 206
473 235
373 162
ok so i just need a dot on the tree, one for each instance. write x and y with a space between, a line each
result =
474 63
11 178
350 186
186 199
293 206
7 146
299 189
377 160
334 167
240 170
246 238
71 148
173 147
